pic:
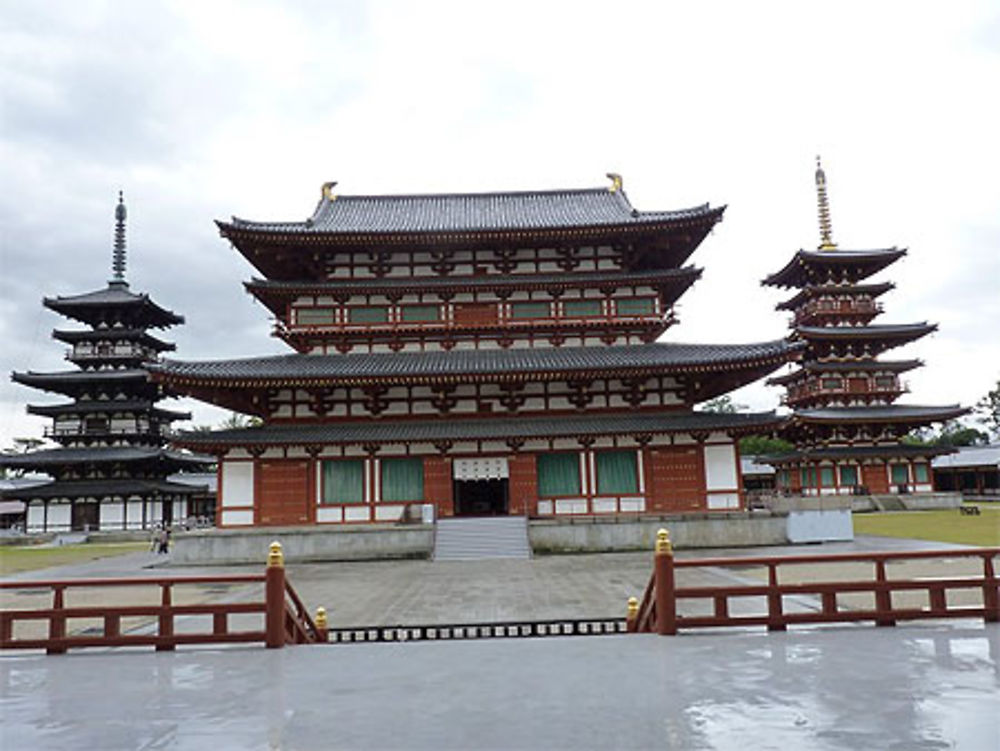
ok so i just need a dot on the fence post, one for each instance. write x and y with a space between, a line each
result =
274 596
663 571
322 628
775 611
991 603
883 597
57 623
632 615
165 641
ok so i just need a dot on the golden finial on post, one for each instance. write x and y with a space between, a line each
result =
321 617
825 225
632 610
663 542
275 557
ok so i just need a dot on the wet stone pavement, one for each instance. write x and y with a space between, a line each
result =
933 686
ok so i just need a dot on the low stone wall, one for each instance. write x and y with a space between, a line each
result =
716 530
906 501
353 543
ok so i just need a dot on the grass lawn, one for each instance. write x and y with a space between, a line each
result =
15 558
945 525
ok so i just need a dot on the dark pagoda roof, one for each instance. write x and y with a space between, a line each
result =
69 382
502 428
814 266
905 413
858 452
474 212
676 281
91 307
899 333
106 488
60 457
113 334
873 290
845 366
300 369
107 406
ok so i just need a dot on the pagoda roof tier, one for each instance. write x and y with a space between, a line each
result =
844 366
898 334
820 290
894 413
505 428
91 307
857 452
719 367
71 382
108 406
75 457
109 488
113 335
672 283
539 218
814 267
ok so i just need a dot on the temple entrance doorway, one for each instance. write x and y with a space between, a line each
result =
480 486
84 516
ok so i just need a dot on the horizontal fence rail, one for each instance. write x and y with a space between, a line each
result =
660 610
285 619
492 630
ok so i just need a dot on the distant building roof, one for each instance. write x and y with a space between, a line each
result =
970 456
749 467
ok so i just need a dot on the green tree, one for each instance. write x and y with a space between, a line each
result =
236 421
988 410
722 404
952 434
764 445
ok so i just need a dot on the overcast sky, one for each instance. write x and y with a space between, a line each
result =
201 110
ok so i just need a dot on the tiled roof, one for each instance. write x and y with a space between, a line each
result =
459 363
857 452
472 212
106 406
60 457
101 489
888 413
971 456
859 264
849 366
893 331
127 335
500 428
116 294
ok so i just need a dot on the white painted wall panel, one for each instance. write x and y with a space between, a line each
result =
329 514
356 514
59 516
111 515
36 517
724 501
388 513
237 484
720 467
237 518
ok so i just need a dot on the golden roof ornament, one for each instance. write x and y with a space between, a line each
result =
616 182
327 191
825 227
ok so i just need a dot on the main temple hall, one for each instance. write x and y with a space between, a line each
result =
484 354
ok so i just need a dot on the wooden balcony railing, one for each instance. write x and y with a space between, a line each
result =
659 610
285 619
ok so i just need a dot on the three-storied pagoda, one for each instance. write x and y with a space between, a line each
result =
846 424
486 353
110 471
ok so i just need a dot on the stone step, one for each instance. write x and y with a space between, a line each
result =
479 538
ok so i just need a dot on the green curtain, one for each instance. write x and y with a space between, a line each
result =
368 315
582 308
848 475
530 310
558 474
344 481
900 475
920 473
635 306
402 479
617 472
420 312
826 477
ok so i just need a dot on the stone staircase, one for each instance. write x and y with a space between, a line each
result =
477 538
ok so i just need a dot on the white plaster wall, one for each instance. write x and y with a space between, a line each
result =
111 515
237 484
329 514
134 515
720 467
718 501
36 517
237 518
59 516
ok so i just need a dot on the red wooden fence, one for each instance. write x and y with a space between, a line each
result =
659 610
286 620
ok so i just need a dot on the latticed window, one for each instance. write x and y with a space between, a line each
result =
577 308
402 479
617 472
920 473
417 313
826 477
807 475
368 315
833 384
314 316
344 481
635 306
530 310
558 474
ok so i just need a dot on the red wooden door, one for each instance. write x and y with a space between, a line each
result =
284 492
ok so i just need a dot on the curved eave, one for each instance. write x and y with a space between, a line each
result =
90 312
109 407
872 290
805 264
110 488
131 335
897 413
906 332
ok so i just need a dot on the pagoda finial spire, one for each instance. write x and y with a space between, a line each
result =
118 256
825 227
